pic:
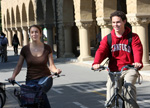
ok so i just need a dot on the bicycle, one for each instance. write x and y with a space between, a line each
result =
116 96
31 96
2 95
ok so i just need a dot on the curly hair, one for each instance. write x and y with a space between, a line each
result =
120 14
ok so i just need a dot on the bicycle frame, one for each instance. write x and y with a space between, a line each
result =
116 76
116 94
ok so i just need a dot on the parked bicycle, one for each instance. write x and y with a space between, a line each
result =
116 96
31 96
2 95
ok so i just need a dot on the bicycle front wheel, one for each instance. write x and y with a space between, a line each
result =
3 97
1 102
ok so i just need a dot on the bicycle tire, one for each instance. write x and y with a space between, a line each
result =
3 96
1 102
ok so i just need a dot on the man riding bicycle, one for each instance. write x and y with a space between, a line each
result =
121 54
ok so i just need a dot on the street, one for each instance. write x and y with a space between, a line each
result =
78 87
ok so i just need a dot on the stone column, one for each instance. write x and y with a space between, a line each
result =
19 33
140 26
9 37
50 36
13 31
108 29
60 40
25 35
85 51
68 40
105 25
142 31
133 21
134 28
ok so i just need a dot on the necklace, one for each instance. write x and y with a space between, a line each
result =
35 50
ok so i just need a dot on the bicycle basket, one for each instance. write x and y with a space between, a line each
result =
29 95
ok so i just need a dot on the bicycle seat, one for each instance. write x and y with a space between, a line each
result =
46 83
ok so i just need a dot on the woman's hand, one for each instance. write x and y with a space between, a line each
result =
58 71
11 78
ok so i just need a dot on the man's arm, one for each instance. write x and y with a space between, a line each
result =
101 53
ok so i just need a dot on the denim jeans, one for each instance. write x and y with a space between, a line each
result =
46 101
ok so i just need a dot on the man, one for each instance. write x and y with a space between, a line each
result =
3 47
121 54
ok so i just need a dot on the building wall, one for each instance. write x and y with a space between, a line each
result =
66 16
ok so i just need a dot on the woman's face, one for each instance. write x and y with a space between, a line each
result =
35 34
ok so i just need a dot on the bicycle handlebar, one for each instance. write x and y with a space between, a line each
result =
13 82
104 67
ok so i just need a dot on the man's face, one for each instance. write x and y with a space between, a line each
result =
118 24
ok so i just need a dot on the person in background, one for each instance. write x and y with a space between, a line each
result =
98 38
39 59
3 45
120 55
15 43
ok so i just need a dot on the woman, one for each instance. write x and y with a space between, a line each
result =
15 43
37 55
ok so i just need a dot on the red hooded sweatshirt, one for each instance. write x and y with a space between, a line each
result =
121 54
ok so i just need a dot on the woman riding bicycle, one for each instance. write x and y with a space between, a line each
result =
121 54
37 55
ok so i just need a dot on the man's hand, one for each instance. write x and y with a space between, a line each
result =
137 65
96 66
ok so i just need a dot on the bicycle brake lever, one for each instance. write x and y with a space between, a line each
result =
10 81
131 66
56 74
92 68
99 69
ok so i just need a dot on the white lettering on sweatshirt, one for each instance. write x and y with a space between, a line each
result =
120 47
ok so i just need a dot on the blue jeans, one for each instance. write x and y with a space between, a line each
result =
46 101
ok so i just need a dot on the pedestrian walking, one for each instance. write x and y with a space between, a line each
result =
3 47
15 43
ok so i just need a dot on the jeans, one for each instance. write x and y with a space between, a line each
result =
3 53
46 101
15 49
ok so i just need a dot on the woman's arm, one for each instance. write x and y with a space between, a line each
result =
17 68
52 66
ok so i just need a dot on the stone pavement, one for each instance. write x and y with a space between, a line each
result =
11 99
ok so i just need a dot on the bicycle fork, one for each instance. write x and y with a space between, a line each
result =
116 94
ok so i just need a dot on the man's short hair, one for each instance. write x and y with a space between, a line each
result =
120 14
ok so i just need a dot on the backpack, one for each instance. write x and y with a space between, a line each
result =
109 42
4 42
